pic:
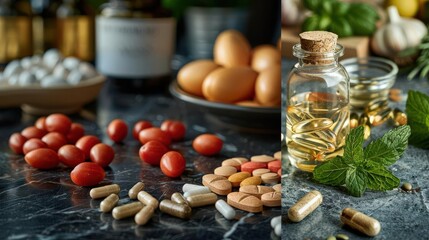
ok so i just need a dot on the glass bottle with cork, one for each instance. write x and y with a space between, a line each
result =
135 43
317 101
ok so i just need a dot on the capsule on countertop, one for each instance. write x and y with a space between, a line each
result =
366 131
178 198
147 199
227 211
275 221
109 203
379 117
278 230
361 222
399 117
311 125
143 216
126 210
196 191
364 119
104 191
188 187
132 193
175 209
305 206
354 120
202 200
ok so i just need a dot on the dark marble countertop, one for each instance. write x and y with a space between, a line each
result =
402 215
47 205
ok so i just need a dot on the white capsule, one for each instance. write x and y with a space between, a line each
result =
14 79
12 68
26 63
26 78
52 81
71 63
275 221
60 72
87 70
187 187
51 57
227 211
278 230
74 77
40 73
196 191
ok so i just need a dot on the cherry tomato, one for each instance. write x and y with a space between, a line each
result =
58 122
87 174
54 140
42 158
152 152
32 144
154 133
70 155
85 144
207 144
16 142
102 154
40 123
76 132
176 129
117 130
172 164
140 125
33 132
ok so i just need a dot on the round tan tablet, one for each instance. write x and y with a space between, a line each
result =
271 199
270 178
244 202
277 187
235 162
262 159
260 171
225 171
278 155
256 190
217 184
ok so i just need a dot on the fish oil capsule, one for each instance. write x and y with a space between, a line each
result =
354 120
143 216
300 151
126 210
361 222
379 117
312 125
326 135
399 117
340 120
104 191
364 119
175 209
109 203
132 193
309 141
147 199
366 131
376 104
202 200
196 191
187 187
227 211
275 221
305 206
178 198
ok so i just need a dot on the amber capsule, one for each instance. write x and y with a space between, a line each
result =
361 222
366 131
109 203
354 120
377 118
175 209
376 104
127 210
326 135
364 119
341 118
178 198
305 206
132 193
309 141
104 191
301 152
147 199
143 216
312 125
399 117
202 200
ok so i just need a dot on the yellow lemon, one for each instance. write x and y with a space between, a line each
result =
406 8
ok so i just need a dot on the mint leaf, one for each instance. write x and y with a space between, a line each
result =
332 172
417 110
380 178
356 181
353 150
419 135
388 149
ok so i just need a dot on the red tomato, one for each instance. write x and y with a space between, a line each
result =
40 123
117 130
207 144
102 154
85 144
70 155
42 158
54 140
33 132
154 133
140 125
152 152
33 144
76 132
58 122
176 129
16 142
87 174
173 164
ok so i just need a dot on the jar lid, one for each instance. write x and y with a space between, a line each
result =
318 41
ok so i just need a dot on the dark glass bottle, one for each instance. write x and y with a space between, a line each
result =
15 30
44 24
135 43
75 26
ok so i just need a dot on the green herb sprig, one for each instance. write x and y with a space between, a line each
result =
361 168
417 110
422 63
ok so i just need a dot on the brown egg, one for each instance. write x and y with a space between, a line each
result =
229 85
268 86
265 56
191 76
248 103
231 49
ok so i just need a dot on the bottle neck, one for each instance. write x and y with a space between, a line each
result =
306 58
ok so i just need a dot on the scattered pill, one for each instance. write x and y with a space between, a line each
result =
71 63
244 202
197 191
277 187
250 166
147 199
202 200
354 120
175 209
143 216
278 155
271 199
237 178
262 158
127 210
217 184
227 211
255 190
332 237
132 193
278 230
407 186
225 171
109 203
235 162
399 117
342 237
305 206
74 77
104 191
178 198
260 171
51 57
187 187
275 165
270 178
275 221
255 180
361 222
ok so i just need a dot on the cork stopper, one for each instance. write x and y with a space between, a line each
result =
318 41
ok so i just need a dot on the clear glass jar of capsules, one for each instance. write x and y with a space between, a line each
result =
317 100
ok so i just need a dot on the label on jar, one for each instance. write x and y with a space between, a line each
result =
134 48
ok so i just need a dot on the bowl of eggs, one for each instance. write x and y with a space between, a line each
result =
240 85
49 83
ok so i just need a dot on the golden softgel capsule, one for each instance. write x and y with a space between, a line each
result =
305 206
361 222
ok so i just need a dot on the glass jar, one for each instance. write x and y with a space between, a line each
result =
135 43
317 108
